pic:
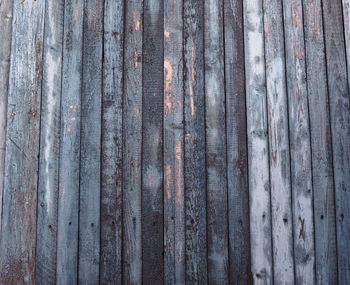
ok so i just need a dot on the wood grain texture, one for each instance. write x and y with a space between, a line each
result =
18 231
299 140
174 204
282 235
5 54
90 144
321 145
338 90
346 21
152 143
258 155
195 174
132 126
49 145
236 137
68 199
215 144
112 144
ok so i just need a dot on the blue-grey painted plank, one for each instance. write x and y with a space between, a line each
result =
195 174
321 145
299 140
339 97
112 140
236 137
49 145
5 53
174 204
18 234
215 143
152 143
132 127
90 144
68 199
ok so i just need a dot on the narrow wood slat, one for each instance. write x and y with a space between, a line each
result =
132 127
174 204
90 159
324 212
112 144
195 174
152 143
299 139
281 208
346 21
338 89
18 233
237 163
68 199
49 145
5 54
258 158
215 144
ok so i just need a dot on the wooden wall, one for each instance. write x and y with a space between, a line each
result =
175 142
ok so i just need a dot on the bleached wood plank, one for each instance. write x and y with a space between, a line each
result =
281 208
300 148
18 233
258 157
49 145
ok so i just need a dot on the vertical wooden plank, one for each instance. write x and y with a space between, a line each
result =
299 139
346 20
258 157
216 144
174 204
90 159
5 53
132 127
18 234
68 199
195 174
49 145
237 164
338 89
282 235
112 143
324 219
152 143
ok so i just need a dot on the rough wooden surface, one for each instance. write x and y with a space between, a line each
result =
174 142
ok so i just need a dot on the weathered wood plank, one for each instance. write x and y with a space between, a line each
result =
338 90
174 204
5 53
237 163
68 200
18 234
132 127
258 157
299 140
49 145
90 143
152 143
346 22
281 208
195 174
321 145
215 144
112 143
